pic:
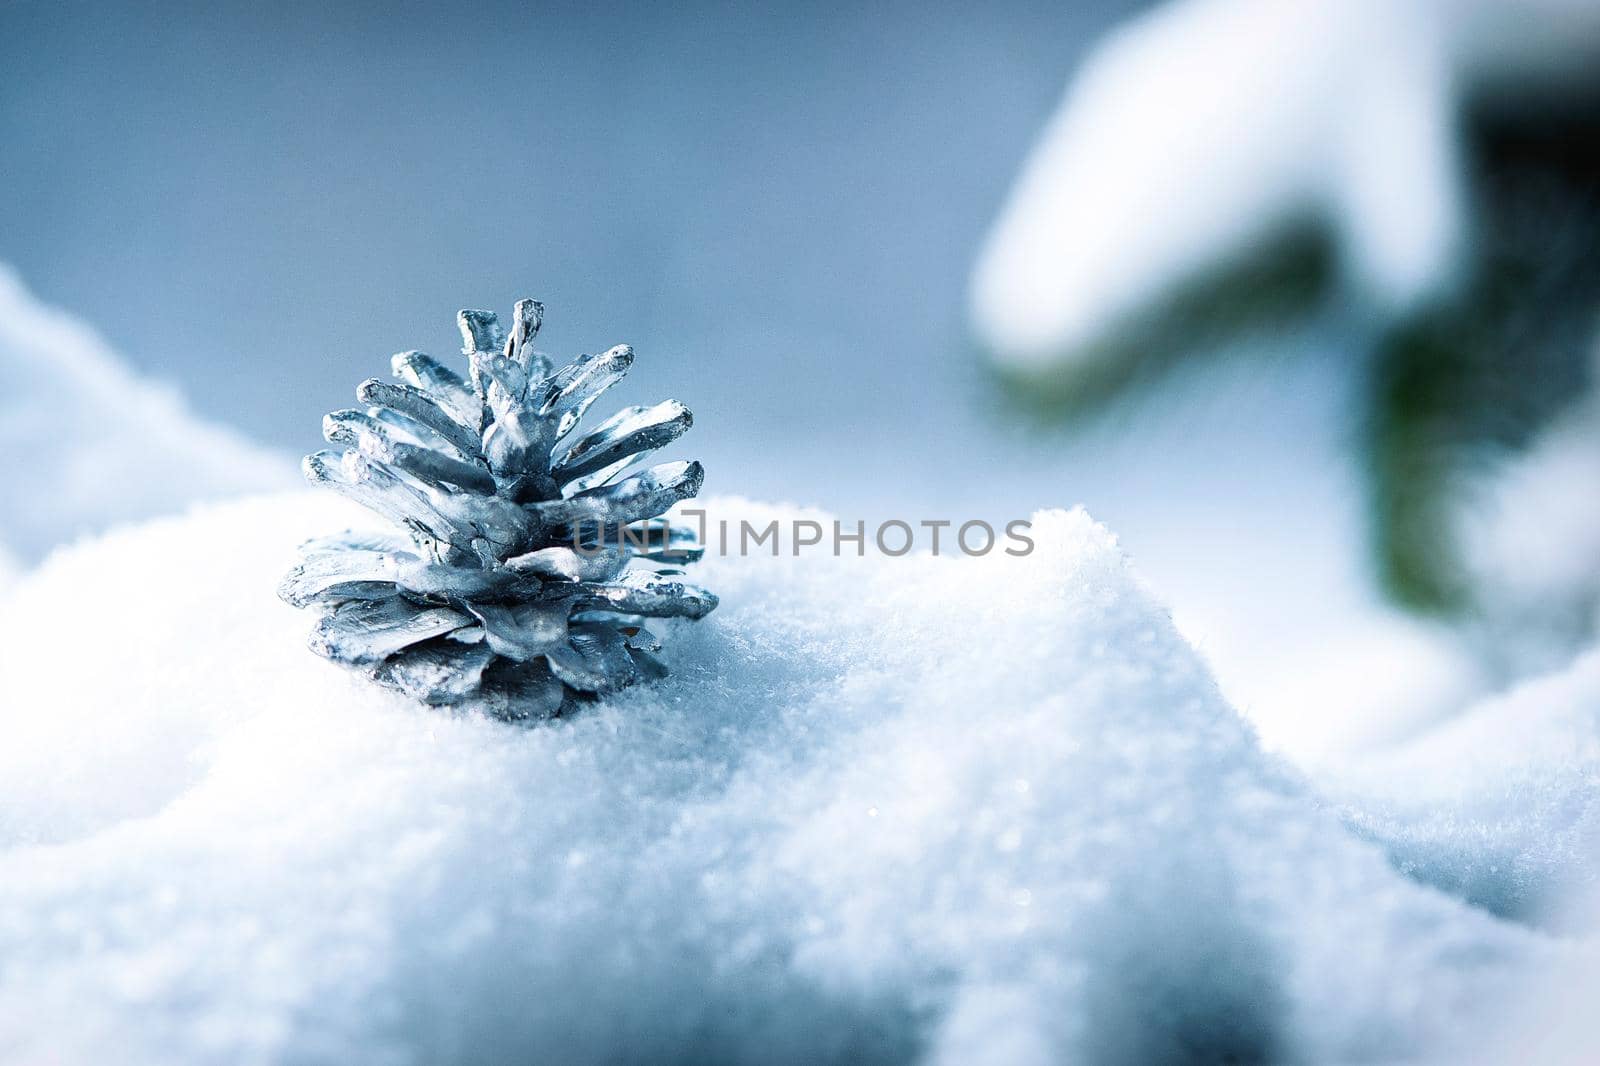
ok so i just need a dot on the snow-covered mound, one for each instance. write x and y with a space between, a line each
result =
1499 805
89 443
886 809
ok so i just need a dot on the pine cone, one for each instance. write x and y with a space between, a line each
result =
512 590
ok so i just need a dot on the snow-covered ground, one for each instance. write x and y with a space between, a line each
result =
930 809
887 809
1497 805
90 444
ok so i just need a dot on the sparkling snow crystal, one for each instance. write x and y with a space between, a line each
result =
918 809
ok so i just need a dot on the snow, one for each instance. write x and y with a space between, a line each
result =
1498 804
1332 685
1556 1024
885 809
91 443
1530 531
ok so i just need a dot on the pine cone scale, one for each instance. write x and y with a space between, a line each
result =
419 407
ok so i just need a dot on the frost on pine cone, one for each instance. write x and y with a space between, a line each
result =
512 589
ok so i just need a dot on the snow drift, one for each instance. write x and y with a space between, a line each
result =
1498 805
91 444
915 809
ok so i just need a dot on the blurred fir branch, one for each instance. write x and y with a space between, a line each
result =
1469 376
1480 373
1275 281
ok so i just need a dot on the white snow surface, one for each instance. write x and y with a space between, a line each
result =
1530 533
920 809
93 444
1500 804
